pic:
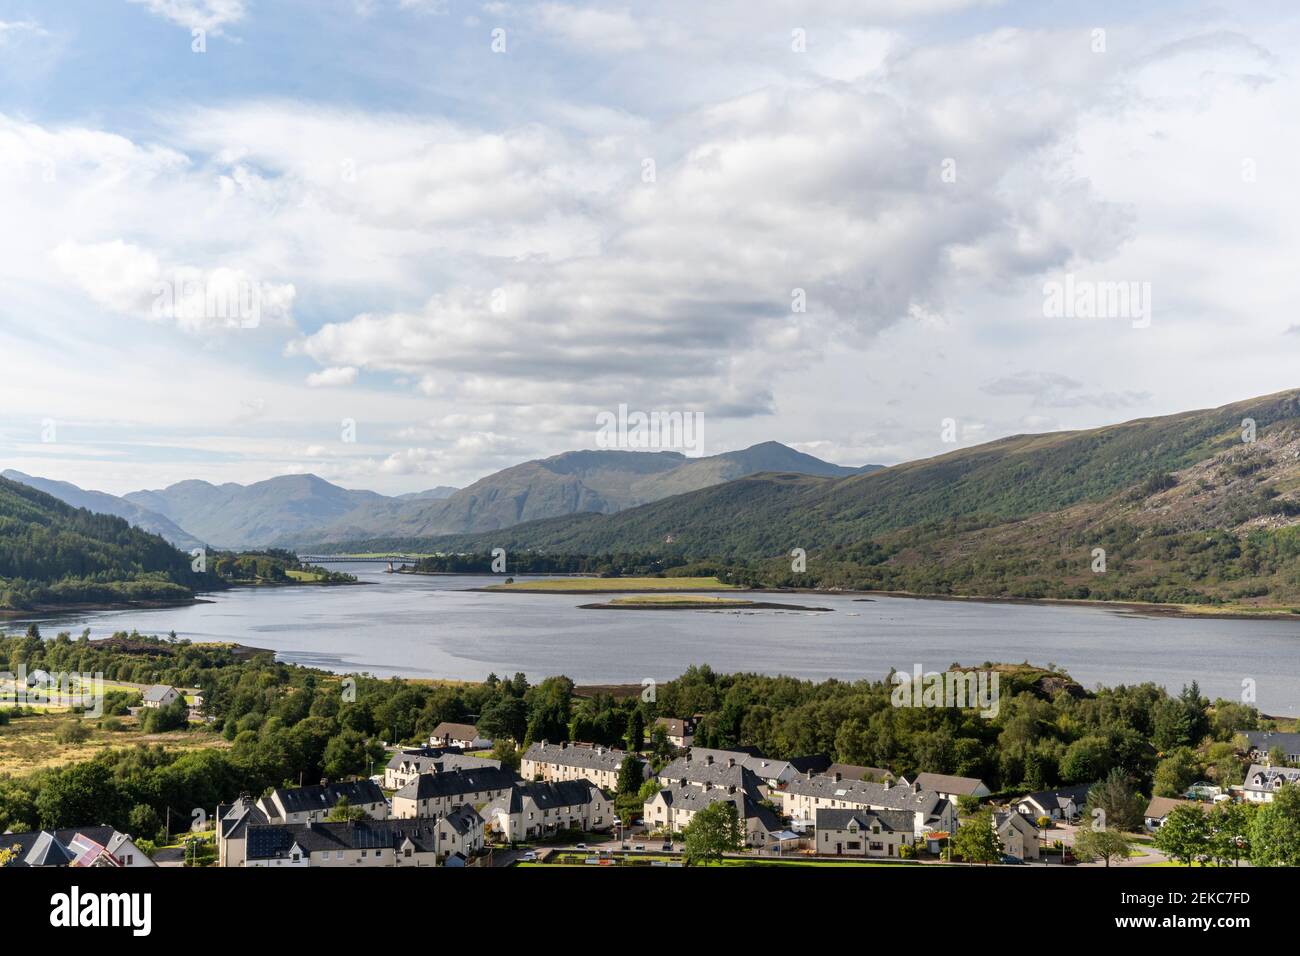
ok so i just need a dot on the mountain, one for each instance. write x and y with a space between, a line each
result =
1184 508
442 491
104 503
604 481
54 554
243 516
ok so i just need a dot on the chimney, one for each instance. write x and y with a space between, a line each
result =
838 776
682 782
546 743
916 786
708 760
808 774
708 784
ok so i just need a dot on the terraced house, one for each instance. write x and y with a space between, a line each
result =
675 805
529 811
435 794
868 833
406 765
555 763
803 797
313 804
370 843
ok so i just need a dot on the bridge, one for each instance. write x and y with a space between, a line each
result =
359 559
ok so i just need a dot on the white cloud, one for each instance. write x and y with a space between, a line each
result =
209 15
332 377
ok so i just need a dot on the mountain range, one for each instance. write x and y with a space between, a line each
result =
1201 507
1196 507
305 510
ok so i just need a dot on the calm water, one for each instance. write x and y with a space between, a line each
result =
431 626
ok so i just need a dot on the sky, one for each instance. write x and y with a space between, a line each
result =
406 243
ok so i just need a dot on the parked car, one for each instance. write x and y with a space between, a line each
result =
529 857
580 846
639 846
1011 860
668 846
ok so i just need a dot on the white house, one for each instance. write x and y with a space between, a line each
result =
528 811
1263 782
161 695
1019 835
313 804
554 763
369 843
868 833
1063 804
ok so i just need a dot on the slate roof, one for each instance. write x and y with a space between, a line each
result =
896 821
464 819
547 796
765 768
438 760
453 783
54 847
946 783
1014 819
868 794
692 798
1058 798
1259 777
718 774
325 796
156 693
584 758
850 771
238 815
268 841
1266 740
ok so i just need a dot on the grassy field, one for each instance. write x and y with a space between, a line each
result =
571 585
30 743
305 576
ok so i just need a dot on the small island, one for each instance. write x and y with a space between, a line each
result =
699 602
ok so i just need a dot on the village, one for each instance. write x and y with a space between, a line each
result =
450 802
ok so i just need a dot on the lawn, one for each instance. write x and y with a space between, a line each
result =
570 585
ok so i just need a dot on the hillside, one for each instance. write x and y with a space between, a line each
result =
1185 510
104 503
54 554
576 482
243 516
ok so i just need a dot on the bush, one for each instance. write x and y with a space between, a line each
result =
72 732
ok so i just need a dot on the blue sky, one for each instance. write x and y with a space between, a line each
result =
459 249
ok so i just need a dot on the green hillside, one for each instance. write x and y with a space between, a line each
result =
1186 511
53 554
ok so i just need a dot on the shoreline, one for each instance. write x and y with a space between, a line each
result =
1233 612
